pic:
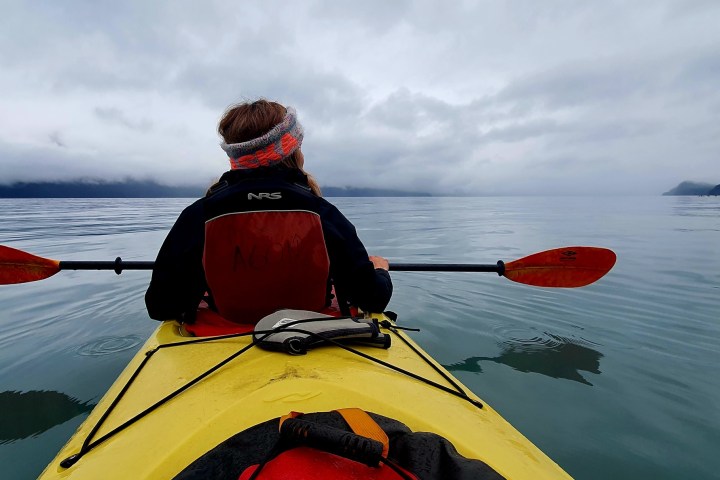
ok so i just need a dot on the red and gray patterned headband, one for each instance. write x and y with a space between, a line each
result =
271 148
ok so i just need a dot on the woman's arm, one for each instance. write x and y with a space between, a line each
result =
356 276
178 279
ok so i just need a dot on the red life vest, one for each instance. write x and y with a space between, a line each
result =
306 463
258 262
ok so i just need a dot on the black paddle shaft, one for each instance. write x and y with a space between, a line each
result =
119 265
498 268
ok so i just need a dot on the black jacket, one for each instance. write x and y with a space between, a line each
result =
178 280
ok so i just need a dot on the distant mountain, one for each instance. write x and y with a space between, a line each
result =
151 189
99 189
690 188
715 190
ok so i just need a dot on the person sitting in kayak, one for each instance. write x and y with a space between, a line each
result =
263 238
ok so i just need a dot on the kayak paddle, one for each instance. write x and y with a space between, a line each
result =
17 266
565 267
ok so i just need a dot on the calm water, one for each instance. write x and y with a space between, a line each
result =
615 380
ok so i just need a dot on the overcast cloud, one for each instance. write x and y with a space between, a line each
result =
471 97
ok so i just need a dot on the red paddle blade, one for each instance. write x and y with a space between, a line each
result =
562 267
17 266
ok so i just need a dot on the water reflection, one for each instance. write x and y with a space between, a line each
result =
697 207
552 355
26 414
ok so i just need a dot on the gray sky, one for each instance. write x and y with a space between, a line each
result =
473 97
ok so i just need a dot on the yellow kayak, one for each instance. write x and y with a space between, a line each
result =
220 386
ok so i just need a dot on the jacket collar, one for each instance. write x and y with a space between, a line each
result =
279 172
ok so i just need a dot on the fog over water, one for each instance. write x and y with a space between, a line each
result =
490 98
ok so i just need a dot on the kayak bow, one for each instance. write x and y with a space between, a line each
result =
134 433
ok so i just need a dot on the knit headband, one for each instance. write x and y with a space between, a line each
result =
271 148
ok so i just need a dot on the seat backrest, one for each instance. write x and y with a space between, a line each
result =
259 262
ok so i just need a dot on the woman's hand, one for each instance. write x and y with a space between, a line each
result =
380 262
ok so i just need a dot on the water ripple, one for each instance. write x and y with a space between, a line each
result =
108 345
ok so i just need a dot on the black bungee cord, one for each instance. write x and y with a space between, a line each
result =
89 443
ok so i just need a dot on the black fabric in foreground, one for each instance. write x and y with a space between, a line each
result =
427 455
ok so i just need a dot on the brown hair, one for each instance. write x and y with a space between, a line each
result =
246 121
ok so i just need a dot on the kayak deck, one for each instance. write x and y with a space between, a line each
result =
259 385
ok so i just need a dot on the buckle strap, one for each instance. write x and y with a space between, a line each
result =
362 424
288 416
359 422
